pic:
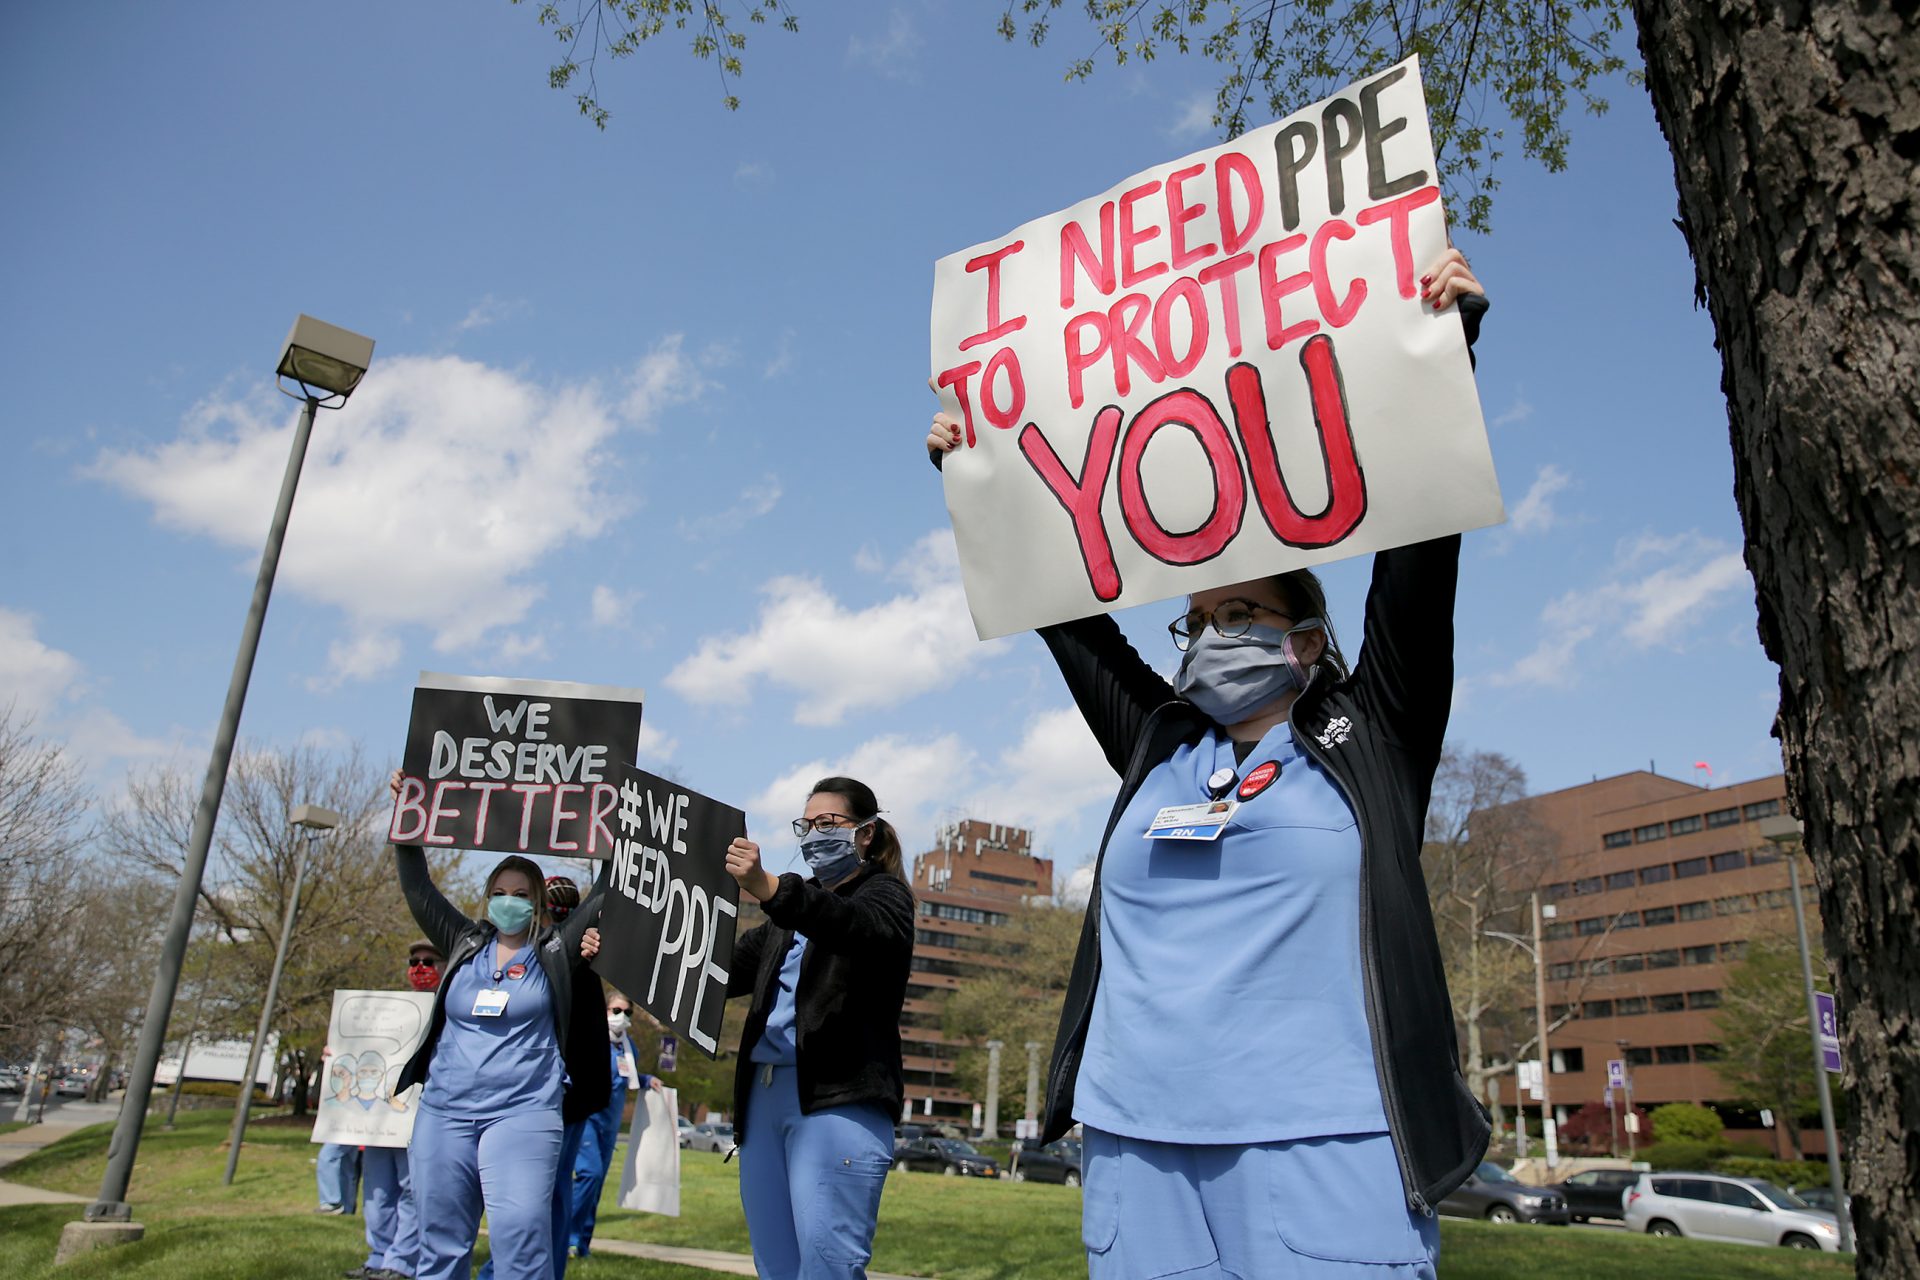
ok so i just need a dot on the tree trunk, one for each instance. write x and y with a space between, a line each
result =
1795 130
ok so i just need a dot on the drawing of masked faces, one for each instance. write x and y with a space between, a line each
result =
340 1078
370 1081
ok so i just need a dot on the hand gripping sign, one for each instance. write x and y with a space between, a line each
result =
667 927
1220 369
515 766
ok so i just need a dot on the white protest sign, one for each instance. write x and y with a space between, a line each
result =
650 1180
370 1037
1260 298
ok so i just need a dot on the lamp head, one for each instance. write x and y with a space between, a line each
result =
324 356
1780 829
313 818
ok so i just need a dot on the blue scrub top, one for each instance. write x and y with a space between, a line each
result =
1230 1007
776 1046
489 1066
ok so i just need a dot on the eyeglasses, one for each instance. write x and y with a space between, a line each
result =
422 962
1229 619
614 1013
827 822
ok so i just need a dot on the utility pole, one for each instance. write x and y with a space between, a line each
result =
992 1127
1548 1130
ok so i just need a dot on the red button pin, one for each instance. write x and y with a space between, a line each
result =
1260 779
516 971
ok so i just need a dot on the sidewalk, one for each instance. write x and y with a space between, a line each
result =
22 1143
733 1264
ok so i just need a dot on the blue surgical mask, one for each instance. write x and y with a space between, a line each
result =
508 913
1231 677
832 855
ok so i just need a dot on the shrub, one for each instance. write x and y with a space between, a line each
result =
1785 1173
1683 1153
1685 1121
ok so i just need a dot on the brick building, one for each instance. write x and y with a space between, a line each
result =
975 875
1657 887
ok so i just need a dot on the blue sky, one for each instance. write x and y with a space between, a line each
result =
647 404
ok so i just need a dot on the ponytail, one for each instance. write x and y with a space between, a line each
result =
884 850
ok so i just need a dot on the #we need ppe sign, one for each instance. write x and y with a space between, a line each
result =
1216 370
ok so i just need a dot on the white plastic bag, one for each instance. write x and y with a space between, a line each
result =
650 1181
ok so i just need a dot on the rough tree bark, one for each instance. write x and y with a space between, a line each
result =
1795 131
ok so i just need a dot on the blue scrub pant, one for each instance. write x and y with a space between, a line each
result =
811 1184
504 1164
336 1174
562 1201
591 1165
1327 1208
393 1227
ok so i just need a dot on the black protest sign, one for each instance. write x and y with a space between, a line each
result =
515 766
666 931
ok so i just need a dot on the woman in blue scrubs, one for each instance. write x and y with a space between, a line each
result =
1257 1036
488 1132
819 1078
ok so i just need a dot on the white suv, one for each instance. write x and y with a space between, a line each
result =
1711 1206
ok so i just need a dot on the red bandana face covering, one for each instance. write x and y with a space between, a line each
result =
423 977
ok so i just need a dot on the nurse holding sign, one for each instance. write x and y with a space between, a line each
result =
1256 1034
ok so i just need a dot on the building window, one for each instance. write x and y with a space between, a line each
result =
1652 831
1559 1011
1597 1009
1563 1061
1703 954
1703 999
1733 950
1025 882
1672 1002
1620 880
1639 1057
1627 920
1706 1053
1626 1006
1731 861
1656 874
1688 867
1617 839
1765 854
1554 892
1592 925
1557 930
1671 1055
1600 968
1737 904
1695 910
1591 884
1684 826
1657 915
1723 817
1663 959
1760 809
1629 964
1561 970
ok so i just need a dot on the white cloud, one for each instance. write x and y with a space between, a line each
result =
429 501
34 676
1077 889
782 360
1055 768
839 659
1660 589
489 310
665 377
888 51
516 647
753 173
655 745
1196 117
914 781
755 500
1519 411
1534 513
611 608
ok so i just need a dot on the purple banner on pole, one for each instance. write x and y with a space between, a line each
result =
1829 1032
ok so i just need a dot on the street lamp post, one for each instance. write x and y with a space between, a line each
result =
326 363
1626 1087
1548 1129
193 1030
1786 832
316 822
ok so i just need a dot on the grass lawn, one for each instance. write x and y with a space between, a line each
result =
9 1126
953 1228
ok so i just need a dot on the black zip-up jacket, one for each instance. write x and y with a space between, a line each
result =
558 950
853 981
1378 734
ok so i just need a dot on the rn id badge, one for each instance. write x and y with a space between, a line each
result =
1202 821
490 1004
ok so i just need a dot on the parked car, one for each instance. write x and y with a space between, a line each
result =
10 1080
1492 1193
1820 1197
71 1087
1712 1206
711 1136
950 1156
685 1128
1056 1162
1597 1193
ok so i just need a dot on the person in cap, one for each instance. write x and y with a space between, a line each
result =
393 1223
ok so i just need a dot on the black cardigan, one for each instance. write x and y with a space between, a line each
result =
853 981
582 1048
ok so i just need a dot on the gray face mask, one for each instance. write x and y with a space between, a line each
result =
832 855
1231 677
